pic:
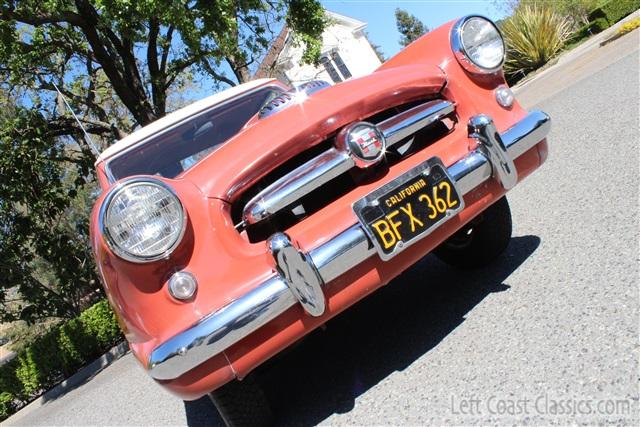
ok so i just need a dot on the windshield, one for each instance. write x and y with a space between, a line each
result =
175 150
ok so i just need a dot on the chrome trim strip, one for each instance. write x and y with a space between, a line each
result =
220 329
397 128
347 249
474 168
297 183
230 324
535 126
336 161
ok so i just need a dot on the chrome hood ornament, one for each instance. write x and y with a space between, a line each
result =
290 97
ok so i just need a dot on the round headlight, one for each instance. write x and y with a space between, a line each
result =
478 45
142 220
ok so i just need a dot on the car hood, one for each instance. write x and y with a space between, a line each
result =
265 144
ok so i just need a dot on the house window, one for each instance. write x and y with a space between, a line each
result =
340 64
330 69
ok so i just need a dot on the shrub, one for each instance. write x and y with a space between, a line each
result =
533 35
605 16
56 354
9 382
7 404
614 10
100 322
599 25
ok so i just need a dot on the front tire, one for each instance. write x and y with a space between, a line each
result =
243 404
480 241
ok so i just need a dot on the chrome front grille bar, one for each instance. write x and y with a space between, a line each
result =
335 161
405 124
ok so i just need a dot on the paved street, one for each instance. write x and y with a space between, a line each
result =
550 330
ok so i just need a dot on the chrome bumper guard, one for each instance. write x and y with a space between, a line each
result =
218 331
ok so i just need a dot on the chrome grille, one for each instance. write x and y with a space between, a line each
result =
334 162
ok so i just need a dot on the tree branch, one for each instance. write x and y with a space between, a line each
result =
158 93
37 19
216 75
123 82
165 51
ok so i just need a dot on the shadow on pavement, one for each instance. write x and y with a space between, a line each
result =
202 413
384 333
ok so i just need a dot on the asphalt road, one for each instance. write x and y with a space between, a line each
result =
547 335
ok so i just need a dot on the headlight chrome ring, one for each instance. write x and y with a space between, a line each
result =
154 215
464 51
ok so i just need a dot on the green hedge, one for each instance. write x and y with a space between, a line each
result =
56 355
605 16
598 25
613 11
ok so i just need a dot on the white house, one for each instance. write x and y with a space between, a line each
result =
346 53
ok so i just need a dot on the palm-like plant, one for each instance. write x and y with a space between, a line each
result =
533 34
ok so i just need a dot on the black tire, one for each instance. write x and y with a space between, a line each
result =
480 241
243 404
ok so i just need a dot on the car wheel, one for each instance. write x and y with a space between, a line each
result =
480 241
242 404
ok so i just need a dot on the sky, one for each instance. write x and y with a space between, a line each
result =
381 23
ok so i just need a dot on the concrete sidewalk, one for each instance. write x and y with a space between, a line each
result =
576 53
575 65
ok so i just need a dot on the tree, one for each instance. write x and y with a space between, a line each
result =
119 64
142 48
45 263
410 27
376 48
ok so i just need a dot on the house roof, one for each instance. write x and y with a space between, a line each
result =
177 116
270 61
353 23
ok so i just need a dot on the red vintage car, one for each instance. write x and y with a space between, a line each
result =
231 228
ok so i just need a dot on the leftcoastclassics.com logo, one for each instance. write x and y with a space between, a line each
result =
539 405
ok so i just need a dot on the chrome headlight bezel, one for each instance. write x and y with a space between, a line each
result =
460 52
107 236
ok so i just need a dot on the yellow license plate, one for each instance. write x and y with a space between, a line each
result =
408 208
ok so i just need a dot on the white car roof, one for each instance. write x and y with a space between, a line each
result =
177 116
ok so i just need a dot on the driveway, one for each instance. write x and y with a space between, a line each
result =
548 335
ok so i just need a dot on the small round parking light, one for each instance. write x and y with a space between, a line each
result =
504 96
182 285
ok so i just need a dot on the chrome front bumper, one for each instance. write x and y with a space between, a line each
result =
223 328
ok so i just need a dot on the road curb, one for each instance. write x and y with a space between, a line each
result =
87 372
73 381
